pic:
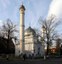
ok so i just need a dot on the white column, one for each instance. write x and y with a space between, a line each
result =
22 30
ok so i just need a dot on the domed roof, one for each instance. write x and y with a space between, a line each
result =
29 29
22 7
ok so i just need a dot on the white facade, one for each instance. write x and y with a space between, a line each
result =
17 49
32 44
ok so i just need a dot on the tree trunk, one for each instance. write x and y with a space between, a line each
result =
47 48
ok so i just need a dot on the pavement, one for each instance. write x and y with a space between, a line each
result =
33 61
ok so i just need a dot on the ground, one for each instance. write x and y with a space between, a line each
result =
33 61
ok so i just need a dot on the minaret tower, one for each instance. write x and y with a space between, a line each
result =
22 13
43 31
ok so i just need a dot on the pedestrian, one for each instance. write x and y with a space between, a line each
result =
24 56
44 57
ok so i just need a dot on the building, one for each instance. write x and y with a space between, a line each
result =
17 49
32 43
29 42
22 13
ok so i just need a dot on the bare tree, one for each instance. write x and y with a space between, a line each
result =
59 41
50 25
8 31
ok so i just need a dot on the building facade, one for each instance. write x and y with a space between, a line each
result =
29 42
32 44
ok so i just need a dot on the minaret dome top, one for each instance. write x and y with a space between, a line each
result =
22 7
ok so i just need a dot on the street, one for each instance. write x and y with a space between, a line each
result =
33 61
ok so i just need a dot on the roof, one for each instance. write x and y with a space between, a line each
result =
22 7
29 29
43 26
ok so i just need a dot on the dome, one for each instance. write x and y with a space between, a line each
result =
22 7
29 29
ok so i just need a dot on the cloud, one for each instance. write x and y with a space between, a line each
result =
55 8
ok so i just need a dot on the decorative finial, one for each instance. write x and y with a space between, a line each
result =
22 7
29 24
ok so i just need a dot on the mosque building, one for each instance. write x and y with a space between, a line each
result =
29 41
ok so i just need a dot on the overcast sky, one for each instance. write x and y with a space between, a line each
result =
34 9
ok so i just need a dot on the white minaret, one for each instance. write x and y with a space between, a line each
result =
22 13
43 31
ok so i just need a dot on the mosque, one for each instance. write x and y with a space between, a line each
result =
30 43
